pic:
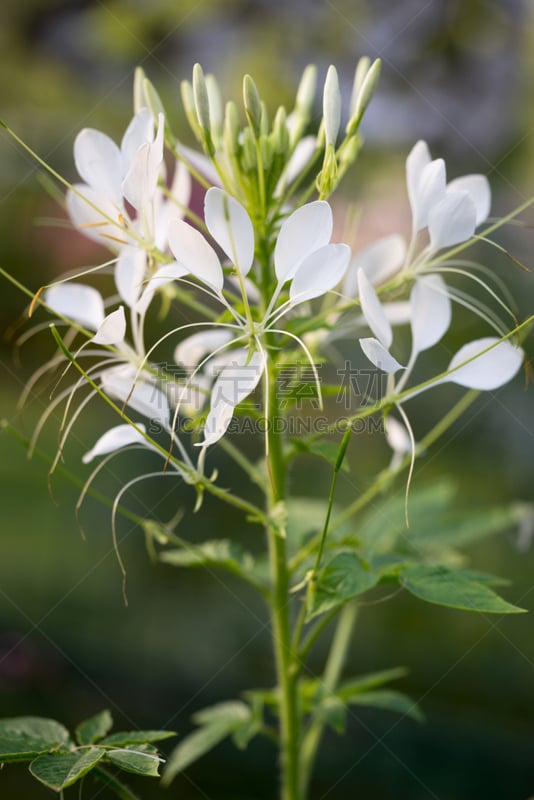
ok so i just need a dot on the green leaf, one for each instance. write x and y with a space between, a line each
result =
333 712
59 770
346 575
451 588
389 700
464 527
217 722
23 738
213 553
324 449
135 761
125 738
94 728
364 683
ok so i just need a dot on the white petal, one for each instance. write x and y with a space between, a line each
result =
98 161
490 370
379 355
373 312
380 261
115 439
140 183
192 350
140 131
431 312
452 220
196 255
144 397
299 159
397 436
230 226
478 188
305 230
174 206
130 273
200 163
165 274
398 313
429 190
319 272
87 219
417 160
80 303
112 329
234 383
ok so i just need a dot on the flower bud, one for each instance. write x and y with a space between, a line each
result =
231 128
252 103
201 98
215 107
331 106
188 102
249 151
327 179
363 97
280 135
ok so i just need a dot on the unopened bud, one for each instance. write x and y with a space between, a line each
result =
188 102
231 128
331 106
362 68
251 99
249 151
201 98
280 135
267 152
306 90
328 177
362 100
215 106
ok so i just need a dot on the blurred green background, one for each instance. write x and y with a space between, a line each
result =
459 74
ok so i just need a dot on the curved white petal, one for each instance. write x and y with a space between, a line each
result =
230 226
319 272
130 273
418 158
305 230
115 439
489 370
429 190
430 312
397 436
80 303
299 159
192 350
165 274
195 254
380 261
144 397
98 161
373 311
141 180
452 220
234 384
200 163
112 329
89 221
478 188
140 131
379 355
398 312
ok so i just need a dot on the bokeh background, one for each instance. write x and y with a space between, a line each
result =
456 72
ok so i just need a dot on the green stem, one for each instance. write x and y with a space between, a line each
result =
114 784
332 673
279 607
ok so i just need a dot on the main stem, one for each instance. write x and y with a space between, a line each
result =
279 605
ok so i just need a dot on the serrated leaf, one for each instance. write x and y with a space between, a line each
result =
389 700
94 728
451 588
345 576
135 761
23 738
125 738
213 553
365 683
59 770
194 746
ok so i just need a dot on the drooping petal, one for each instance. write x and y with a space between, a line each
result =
192 350
373 312
130 273
165 274
195 254
478 188
429 190
112 329
489 370
115 439
380 261
140 131
80 303
305 230
235 383
84 214
98 161
430 312
379 355
230 226
319 272
141 395
452 220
